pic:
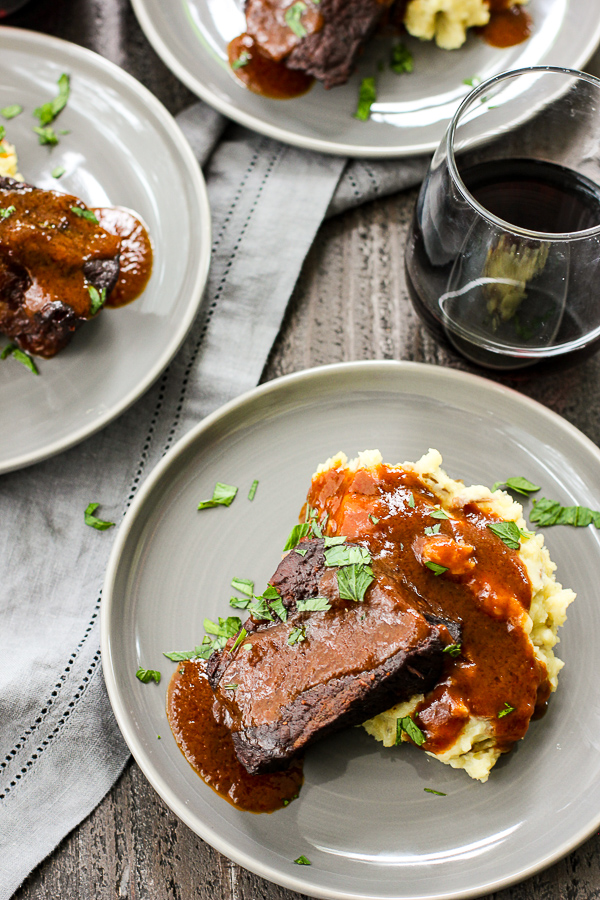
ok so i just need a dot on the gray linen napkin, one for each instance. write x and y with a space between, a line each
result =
60 748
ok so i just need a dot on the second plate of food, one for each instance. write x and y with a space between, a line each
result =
373 822
112 144
409 112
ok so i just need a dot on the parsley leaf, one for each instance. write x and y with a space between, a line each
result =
223 495
507 709
243 585
85 214
303 861
252 491
146 675
91 520
438 514
49 111
230 687
435 567
225 628
373 519
180 655
239 639
431 791
550 512
46 135
9 112
296 534
353 581
518 484
240 602
411 500
98 299
433 529
406 725
334 541
453 650
58 172
509 533
472 82
297 635
260 610
401 59
346 555
293 16
242 60
313 604
367 95
6 211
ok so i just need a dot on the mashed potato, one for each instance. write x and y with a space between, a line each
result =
474 750
446 21
8 161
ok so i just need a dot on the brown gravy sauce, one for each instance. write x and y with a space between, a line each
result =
206 743
509 24
135 262
486 587
263 75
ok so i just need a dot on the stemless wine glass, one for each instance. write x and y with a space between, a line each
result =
503 254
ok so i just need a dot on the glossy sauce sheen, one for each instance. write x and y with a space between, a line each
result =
206 744
486 587
135 261
509 24
263 75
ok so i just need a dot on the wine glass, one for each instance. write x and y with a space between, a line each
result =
503 253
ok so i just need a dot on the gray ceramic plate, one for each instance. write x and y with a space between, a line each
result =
411 113
123 149
363 817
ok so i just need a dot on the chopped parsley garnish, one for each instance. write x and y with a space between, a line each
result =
507 709
6 211
260 610
230 687
147 675
85 214
550 512
49 111
435 567
297 635
438 514
9 112
293 17
242 60
472 82
406 725
239 639
20 356
240 602
373 519
252 491
223 495
243 585
46 135
279 609
437 793
223 630
334 541
411 500
313 604
346 555
301 551
296 535
91 520
367 95
401 59
509 533
303 861
58 172
518 484
98 299
453 650
353 581
433 529
181 655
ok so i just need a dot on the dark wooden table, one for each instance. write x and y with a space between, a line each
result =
350 303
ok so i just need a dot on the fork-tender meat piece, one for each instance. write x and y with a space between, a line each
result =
335 33
354 659
48 258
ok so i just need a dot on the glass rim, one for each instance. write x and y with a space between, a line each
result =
453 167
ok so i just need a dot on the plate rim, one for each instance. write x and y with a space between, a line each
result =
387 368
197 188
285 135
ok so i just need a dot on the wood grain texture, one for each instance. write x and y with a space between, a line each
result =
350 303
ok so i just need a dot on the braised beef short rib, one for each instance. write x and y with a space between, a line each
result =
351 662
